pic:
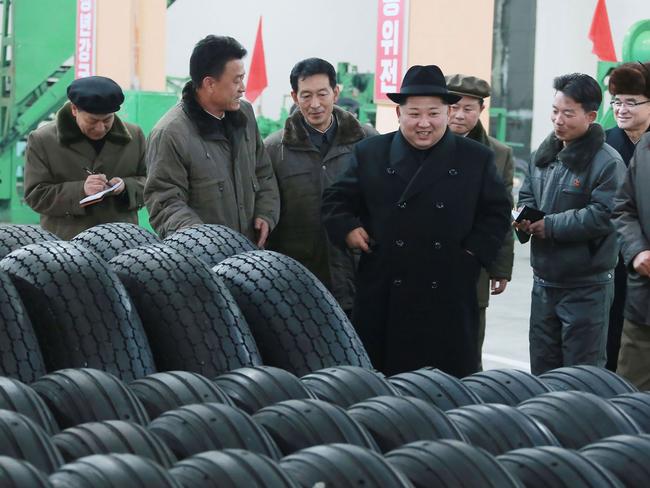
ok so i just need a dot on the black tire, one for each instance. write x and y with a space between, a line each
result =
591 379
449 463
113 471
192 321
259 386
77 396
20 354
500 428
577 418
15 236
395 421
343 466
210 242
637 406
298 424
161 392
347 385
231 468
297 323
626 456
203 427
506 386
555 467
81 313
22 438
15 473
432 385
18 397
109 240
112 436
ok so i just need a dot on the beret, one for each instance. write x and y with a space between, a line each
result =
630 79
96 95
469 86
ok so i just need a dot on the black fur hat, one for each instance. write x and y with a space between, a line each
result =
630 79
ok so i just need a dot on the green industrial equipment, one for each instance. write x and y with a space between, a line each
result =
36 67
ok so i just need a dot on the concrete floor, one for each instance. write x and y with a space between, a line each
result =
506 335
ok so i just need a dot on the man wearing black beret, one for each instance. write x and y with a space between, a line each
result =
427 210
85 150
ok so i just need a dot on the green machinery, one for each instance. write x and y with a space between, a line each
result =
36 67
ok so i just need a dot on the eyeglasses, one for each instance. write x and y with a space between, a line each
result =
627 104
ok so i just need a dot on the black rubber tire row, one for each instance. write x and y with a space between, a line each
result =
117 299
189 425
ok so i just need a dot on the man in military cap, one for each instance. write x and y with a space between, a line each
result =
464 120
85 150
427 210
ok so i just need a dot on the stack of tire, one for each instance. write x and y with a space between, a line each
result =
199 361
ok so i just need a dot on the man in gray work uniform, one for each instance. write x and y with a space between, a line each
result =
573 178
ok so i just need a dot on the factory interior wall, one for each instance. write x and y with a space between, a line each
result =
454 34
562 46
129 36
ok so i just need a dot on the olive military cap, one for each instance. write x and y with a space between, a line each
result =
468 86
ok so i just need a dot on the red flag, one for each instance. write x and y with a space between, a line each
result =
257 72
600 34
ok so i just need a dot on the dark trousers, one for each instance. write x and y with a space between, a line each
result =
481 336
616 315
568 326
634 361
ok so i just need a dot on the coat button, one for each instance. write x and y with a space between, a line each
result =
390 171
453 172
437 245
397 282
399 243
324 167
401 205
434 284
440 205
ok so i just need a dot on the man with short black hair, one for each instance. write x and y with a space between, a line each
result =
85 150
205 158
308 155
427 210
464 120
572 177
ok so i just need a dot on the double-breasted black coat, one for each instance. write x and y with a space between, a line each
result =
416 300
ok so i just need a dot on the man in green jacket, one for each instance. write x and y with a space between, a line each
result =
464 121
85 150
205 158
308 155
632 220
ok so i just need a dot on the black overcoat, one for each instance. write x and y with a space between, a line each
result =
416 300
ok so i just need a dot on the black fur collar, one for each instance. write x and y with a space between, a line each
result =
576 155
478 134
348 131
204 121
69 132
